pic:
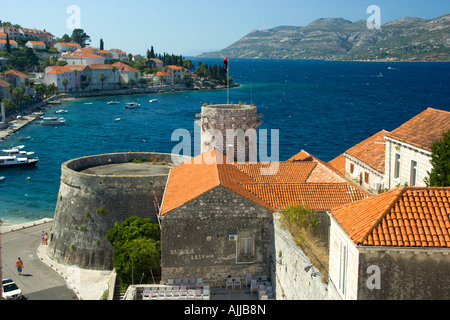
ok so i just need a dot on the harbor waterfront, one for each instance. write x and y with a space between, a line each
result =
322 107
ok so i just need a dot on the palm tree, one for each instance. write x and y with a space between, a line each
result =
102 78
75 72
114 69
65 82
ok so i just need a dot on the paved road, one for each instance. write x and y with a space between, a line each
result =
38 281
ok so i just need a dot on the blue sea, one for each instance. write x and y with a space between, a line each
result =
322 107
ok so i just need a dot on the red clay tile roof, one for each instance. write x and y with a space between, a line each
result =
37 42
17 73
290 185
285 172
401 217
338 163
425 128
82 53
318 196
301 156
196 176
371 151
124 67
58 70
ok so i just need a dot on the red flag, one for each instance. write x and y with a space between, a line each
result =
226 63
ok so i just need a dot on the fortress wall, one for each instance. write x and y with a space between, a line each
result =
88 205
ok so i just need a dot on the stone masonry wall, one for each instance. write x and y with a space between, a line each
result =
405 274
290 279
195 238
89 205
217 119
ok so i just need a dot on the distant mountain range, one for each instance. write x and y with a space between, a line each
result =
405 39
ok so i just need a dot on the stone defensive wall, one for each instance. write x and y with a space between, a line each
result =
98 191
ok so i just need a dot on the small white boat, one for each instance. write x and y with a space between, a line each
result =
113 102
117 119
132 105
88 103
17 153
61 111
153 100
10 161
53 121
2 178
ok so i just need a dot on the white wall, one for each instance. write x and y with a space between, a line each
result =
348 288
407 153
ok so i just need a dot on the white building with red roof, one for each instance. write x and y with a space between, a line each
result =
83 57
67 46
35 45
392 246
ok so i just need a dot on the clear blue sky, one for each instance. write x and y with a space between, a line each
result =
181 26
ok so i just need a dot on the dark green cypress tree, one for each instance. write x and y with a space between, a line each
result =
8 45
440 160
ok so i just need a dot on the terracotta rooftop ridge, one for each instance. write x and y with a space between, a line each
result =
423 129
371 151
404 217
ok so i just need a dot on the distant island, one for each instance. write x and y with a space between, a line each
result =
405 39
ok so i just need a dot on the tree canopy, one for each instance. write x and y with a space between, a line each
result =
78 36
440 160
137 248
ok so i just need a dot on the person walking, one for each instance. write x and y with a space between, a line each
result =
46 238
19 265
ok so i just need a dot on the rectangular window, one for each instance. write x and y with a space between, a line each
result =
352 167
245 243
366 177
342 266
413 177
397 166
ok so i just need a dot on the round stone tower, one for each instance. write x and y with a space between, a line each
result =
231 129
98 191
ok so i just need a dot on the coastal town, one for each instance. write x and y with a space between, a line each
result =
371 224
35 66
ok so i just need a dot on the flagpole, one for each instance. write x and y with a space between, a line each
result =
228 86
227 64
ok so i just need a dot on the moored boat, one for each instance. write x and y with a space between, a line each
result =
11 161
61 111
17 153
132 105
53 121
113 102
